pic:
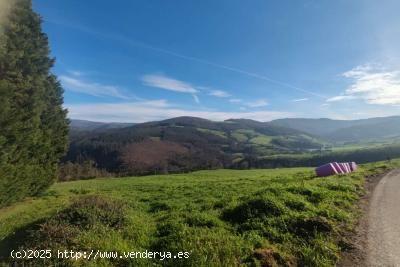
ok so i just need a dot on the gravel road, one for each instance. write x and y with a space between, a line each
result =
383 232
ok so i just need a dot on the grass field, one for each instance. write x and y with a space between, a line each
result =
261 140
222 217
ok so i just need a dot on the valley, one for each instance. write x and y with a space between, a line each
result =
187 144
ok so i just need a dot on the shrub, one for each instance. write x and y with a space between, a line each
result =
53 234
91 210
63 230
80 171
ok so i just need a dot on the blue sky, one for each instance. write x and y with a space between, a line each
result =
148 60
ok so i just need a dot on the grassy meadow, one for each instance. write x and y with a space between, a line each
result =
284 217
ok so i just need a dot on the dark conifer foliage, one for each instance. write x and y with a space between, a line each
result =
33 124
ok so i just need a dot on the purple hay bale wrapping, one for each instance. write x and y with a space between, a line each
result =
335 168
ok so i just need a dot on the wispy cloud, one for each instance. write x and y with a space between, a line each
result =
175 85
167 83
128 41
142 111
235 100
300 100
257 103
196 98
340 98
372 84
76 84
219 93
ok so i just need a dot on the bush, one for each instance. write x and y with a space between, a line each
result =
84 213
88 211
63 230
53 234
79 171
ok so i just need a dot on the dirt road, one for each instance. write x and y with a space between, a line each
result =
383 231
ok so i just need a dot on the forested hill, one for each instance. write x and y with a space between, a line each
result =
185 143
84 125
188 143
346 130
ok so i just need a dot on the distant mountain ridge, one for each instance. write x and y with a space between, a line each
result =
327 129
85 125
183 143
190 143
346 130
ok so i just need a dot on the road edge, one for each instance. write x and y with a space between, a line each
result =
356 254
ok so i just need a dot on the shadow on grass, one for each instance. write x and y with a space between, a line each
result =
17 239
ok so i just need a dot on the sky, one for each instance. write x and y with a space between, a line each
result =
136 61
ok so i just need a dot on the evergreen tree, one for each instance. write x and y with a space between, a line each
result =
33 124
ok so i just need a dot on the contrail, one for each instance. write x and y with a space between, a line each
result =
194 59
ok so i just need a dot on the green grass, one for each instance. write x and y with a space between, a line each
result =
223 217
214 132
248 132
240 136
245 135
261 140
352 147
288 156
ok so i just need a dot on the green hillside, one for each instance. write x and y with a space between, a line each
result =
183 144
222 217
84 125
347 131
